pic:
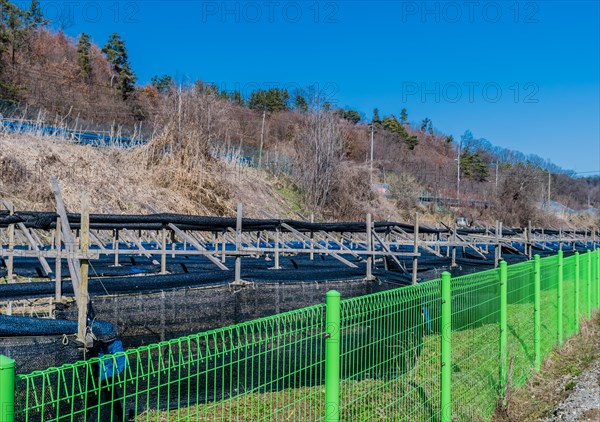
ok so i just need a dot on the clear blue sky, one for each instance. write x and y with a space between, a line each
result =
525 75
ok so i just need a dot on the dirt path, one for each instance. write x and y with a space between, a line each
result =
583 404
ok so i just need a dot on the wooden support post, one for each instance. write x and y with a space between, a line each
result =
67 235
453 264
84 243
312 236
415 263
277 234
10 266
223 248
528 246
58 262
196 245
116 247
369 248
163 246
34 247
238 244
497 252
560 239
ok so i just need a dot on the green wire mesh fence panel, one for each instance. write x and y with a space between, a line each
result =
595 279
235 373
521 353
583 285
569 297
390 355
475 345
548 304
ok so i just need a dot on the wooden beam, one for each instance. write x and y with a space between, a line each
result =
197 245
35 246
58 262
304 238
68 238
84 245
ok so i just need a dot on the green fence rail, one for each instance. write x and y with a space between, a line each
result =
447 349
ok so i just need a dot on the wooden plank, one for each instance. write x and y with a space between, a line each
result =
340 244
35 246
68 238
98 242
387 249
197 245
304 238
10 266
415 264
422 245
138 243
84 245
58 262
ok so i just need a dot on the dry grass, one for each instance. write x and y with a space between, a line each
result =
128 181
172 174
545 389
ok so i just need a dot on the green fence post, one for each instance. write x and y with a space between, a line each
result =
332 356
503 326
7 389
598 281
577 289
559 298
588 283
537 322
446 401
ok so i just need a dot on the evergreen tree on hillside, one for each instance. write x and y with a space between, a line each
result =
14 21
84 56
474 166
301 104
272 100
376 118
394 126
162 83
126 81
404 116
34 18
350 115
236 98
116 54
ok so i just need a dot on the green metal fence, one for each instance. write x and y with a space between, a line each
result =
447 349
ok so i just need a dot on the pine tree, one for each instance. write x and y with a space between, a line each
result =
392 124
376 118
34 18
162 83
404 116
126 81
301 104
236 98
116 54
272 100
84 56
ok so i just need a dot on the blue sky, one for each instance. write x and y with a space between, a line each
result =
525 75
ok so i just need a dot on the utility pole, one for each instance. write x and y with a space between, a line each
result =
262 134
549 180
372 133
458 172
496 177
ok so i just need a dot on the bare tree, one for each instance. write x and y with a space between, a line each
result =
319 149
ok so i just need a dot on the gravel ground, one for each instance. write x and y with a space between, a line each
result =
583 404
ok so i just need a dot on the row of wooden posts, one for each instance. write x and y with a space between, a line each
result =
77 252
